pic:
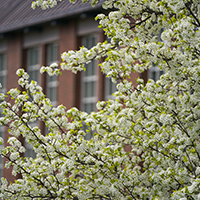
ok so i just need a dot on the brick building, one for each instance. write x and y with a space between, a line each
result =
32 38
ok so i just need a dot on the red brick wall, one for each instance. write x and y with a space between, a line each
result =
67 90
134 77
14 62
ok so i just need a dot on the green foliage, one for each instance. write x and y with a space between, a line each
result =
146 141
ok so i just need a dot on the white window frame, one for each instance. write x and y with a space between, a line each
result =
30 68
89 79
3 73
154 69
92 100
35 67
29 148
108 84
52 84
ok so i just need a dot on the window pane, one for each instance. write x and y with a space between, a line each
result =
89 78
52 57
153 76
110 88
33 56
155 73
53 93
161 73
35 75
29 148
92 89
1 130
3 72
87 42
29 151
92 107
52 78
87 72
3 81
93 66
2 62
33 63
86 89
52 54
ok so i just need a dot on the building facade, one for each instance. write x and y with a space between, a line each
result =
30 39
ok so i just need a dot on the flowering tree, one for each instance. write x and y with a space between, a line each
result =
159 121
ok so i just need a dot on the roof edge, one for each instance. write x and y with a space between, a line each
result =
50 18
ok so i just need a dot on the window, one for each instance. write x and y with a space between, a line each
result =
155 73
33 71
110 88
29 149
89 79
89 83
33 63
3 72
52 83
3 90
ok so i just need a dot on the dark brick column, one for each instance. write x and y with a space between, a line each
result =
14 62
67 91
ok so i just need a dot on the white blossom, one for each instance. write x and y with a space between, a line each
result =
145 142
